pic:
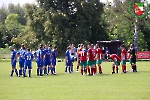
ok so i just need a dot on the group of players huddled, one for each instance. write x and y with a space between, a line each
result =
91 56
88 58
45 58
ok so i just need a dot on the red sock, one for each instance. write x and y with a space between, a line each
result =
122 68
100 69
82 71
92 70
77 67
95 69
113 68
116 69
132 66
88 70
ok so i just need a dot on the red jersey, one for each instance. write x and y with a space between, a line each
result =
78 53
90 54
123 54
94 52
112 56
82 56
98 53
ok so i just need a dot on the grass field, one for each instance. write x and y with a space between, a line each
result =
129 86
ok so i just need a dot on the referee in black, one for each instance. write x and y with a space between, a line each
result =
132 52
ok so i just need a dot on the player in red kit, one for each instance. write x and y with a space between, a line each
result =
94 54
116 61
78 59
123 58
99 58
90 56
83 60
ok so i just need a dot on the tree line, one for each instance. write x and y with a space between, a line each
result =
61 22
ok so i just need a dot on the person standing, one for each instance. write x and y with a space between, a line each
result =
28 63
21 54
47 54
68 60
90 60
54 60
13 61
123 58
39 55
83 60
99 58
132 55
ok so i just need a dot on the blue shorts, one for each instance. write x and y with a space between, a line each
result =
13 63
27 65
54 62
39 63
21 63
68 63
47 62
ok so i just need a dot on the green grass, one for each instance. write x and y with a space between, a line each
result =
129 86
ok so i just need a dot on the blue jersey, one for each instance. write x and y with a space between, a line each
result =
67 54
54 54
28 60
47 54
13 54
28 57
39 55
21 54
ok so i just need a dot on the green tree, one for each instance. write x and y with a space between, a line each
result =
19 10
121 24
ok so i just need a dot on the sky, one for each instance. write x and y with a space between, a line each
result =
6 2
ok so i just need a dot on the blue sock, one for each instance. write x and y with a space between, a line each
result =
20 72
29 71
49 69
52 70
41 72
12 71
66 69
24 72
45 70
69 69
37 71
16 72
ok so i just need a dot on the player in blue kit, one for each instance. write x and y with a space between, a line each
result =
68 60
39 55
13 61
21 54
50 67
54 60
47 54
28 63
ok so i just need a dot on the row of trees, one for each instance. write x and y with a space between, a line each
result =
61 22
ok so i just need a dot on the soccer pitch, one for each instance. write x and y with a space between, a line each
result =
65 86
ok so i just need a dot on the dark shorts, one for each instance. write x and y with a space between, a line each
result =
27 65
68 63
54 62
13 63
47 62
39 63
21 63
132 60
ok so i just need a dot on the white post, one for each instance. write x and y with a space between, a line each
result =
136 34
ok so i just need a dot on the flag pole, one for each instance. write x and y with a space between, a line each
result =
136 34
